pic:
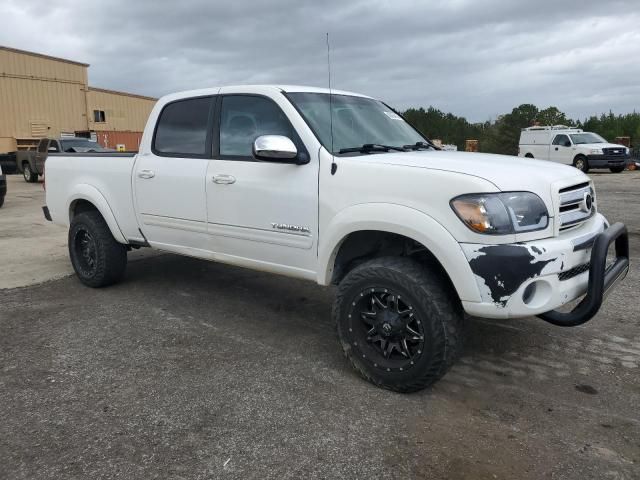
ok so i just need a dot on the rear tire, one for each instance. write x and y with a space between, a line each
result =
399 324
616 169
29 176
581 163
97 258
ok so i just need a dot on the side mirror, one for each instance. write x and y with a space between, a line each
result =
275 148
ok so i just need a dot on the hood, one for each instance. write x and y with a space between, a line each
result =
600 145
504 171
90 149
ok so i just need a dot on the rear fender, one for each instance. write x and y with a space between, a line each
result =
93 196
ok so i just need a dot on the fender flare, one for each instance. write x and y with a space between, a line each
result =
405 221
92 195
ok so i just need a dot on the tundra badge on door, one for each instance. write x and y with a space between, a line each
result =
290 228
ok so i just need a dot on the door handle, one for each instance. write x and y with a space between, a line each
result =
224 179
146 174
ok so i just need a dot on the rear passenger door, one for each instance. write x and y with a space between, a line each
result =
262 214
169 181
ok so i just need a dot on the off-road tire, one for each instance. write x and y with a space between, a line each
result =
434 303
110 256
581 163
616 169
29 176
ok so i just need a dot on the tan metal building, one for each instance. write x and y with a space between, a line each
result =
48 96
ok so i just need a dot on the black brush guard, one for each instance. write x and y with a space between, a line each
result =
601 279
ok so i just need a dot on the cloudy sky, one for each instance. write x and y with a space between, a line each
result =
475 58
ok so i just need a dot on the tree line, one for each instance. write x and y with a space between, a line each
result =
503 134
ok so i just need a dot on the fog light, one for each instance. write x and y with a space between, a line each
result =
529 293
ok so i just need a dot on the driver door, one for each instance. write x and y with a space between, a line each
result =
561 149
262 214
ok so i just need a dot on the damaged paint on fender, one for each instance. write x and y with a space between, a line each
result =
505 267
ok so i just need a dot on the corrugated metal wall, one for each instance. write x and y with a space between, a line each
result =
47 96
123 112
39 93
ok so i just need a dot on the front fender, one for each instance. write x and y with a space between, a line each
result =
401 220
92 195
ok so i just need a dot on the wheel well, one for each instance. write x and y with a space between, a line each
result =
529 155
361 246
79 206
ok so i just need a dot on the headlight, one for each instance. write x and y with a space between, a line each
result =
501 213
595 151
626 151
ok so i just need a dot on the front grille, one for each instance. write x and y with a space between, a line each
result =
576 205
574 272
613 151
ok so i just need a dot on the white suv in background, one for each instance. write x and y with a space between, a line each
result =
572 146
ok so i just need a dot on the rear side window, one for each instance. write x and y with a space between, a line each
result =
183 128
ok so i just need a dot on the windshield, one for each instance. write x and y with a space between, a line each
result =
588 137
357 121
80 143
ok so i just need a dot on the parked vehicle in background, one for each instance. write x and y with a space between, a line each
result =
31 163
572 146
336 188
3 186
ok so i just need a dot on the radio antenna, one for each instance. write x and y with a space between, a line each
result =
334 167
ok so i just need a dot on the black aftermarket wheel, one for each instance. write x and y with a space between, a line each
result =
399 327
97 258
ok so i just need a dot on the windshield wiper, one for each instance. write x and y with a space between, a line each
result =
372 147
419 145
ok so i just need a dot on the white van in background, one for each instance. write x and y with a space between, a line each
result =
572 146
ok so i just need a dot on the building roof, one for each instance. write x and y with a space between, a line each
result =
126 94
40 55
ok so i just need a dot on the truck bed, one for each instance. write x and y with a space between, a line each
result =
73 176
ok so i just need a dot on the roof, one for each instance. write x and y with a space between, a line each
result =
40 55
126 94
255 89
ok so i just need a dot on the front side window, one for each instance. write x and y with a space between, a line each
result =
243 118
356 121
183 127
560 140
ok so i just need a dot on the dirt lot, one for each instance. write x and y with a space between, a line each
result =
190 369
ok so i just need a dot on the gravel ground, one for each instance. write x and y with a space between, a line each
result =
194 370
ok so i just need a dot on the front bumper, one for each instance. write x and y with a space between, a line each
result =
537 277
607 161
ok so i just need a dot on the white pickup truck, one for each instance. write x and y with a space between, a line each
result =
572 146
336 188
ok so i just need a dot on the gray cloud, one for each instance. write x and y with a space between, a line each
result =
473 58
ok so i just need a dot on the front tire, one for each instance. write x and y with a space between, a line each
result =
400 326
97 258
581 163
29 176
